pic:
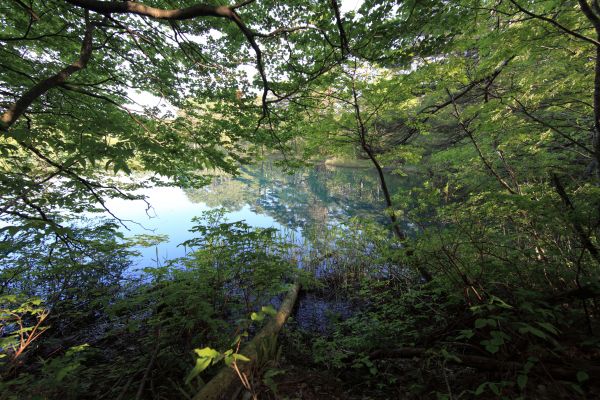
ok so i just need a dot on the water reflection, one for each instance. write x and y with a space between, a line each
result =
265 196
313 195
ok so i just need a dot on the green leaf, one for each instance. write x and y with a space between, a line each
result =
500 303
582 376
238 338
522 381
529 364
534 331
494 387
577 388
492 348
549 327
483 322
269 310
449 356
466 334
241 357
207 352
480 389
257 316
201 365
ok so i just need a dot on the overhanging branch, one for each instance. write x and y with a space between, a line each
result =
132 7
15 110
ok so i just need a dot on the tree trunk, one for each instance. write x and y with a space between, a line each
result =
386 194
400 235
596 134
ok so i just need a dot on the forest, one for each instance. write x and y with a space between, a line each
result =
429 171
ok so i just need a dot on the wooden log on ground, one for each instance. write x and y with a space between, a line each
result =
490 364
226 384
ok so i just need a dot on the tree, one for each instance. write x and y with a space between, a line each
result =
561 17
69 70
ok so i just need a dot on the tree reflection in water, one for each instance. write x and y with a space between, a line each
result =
304 198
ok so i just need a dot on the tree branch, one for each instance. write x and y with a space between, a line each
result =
589 13
344 46
583 236
465 127
432 109
15 110
556 24
531 116
132 7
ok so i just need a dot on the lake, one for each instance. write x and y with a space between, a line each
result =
263 195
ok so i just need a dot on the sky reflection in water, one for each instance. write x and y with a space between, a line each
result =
264 196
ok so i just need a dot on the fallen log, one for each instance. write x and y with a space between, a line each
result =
226 384
588 291
567 372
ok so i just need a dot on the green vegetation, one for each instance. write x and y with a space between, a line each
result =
480 280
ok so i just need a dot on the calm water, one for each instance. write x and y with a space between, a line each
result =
264 196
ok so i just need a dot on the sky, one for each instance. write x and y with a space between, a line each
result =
350 5
145 99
